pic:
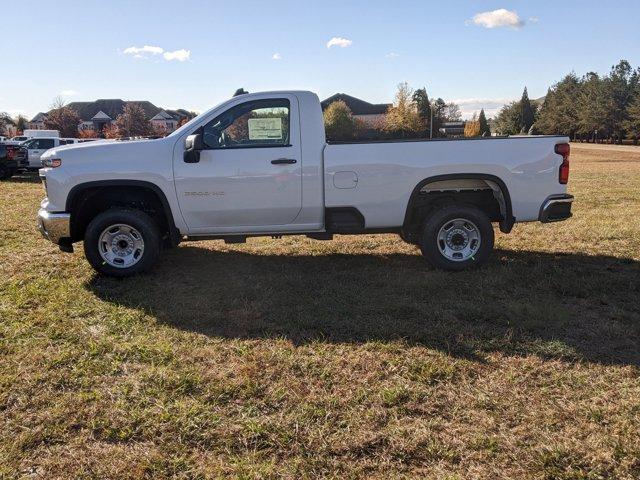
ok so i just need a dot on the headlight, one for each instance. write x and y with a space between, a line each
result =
51 163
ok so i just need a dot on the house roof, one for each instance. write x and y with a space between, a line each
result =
101 116
40 116
162 115
357 106
110 107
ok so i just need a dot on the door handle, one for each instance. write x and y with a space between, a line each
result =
283 161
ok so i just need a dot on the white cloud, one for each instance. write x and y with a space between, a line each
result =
339 42
392 55
276 56
148 51
534 19
491 106
181 55
498 18
141 51
68 93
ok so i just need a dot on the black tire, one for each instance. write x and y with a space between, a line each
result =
137 219
431 246
5 172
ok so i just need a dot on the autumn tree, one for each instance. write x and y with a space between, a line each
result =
87 133
339 123
110 131
132 122
64 119
472 127
403 118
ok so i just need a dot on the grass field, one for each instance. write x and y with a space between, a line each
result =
348 359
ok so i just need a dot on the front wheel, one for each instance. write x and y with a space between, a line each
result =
122 242
457 237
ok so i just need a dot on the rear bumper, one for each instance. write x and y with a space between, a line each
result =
556 208
55 227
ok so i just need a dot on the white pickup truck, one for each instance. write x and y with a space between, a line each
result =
259 165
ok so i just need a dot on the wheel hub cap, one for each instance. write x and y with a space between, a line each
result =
459 240
121 246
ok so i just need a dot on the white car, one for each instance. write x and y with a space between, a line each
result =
259 164
37 146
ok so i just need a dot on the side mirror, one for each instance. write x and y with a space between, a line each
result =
193 144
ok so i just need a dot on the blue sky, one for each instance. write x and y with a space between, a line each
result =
202 51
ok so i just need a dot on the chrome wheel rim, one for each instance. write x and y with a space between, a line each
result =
121 246
459 240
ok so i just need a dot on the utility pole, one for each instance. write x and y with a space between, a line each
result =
431 123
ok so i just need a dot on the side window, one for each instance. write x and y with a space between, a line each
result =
260 123
46 143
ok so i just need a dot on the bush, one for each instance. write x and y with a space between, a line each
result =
339 123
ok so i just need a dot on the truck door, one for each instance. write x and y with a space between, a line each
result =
35 148
249 173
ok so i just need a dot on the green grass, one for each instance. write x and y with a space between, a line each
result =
347 359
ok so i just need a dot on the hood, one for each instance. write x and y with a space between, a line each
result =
100 150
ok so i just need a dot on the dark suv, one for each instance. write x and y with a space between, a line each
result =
9 160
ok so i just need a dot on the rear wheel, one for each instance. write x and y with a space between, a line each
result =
457 237
122 242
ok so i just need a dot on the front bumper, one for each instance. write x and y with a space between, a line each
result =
556 208
55 227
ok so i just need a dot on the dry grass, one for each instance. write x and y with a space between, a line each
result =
344 359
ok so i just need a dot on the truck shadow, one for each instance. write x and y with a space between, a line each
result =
24 177
574 307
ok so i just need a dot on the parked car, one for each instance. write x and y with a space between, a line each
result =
259 164
35 147
9 162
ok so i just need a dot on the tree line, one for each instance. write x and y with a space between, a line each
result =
591 108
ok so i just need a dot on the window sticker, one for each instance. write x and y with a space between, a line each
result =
265 129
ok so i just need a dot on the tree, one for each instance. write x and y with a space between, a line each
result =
159 130
528 112
508 120
87 133
421 99
485 130
452 112
632 121
110 131
5 121
339 123
559 112
403 118
65 120
594 111
132 122
472 127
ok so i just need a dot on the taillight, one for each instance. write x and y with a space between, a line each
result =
10 153
563 149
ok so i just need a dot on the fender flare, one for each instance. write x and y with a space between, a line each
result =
506 224
81 187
